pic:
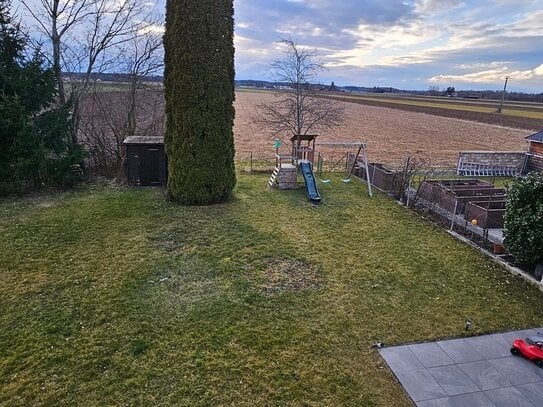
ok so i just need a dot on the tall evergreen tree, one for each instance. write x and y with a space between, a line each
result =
199 87
33 132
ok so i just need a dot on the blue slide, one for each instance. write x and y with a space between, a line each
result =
310 182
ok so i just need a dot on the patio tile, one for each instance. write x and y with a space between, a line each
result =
420 385
443 402
478 371
502 340
453 380
400 359
472 400
484 375
430 354
516 370
533 392
460 350
508 397
488 347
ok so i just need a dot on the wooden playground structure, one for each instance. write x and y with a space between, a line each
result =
302 156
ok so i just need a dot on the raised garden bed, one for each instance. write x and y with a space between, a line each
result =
488 214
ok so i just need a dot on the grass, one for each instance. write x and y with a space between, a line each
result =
117 297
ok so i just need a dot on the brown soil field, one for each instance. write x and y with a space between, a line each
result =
391 134
490 118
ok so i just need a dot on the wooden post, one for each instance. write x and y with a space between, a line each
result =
454 215
251 161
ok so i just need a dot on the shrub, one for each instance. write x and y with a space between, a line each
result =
199 88
524 219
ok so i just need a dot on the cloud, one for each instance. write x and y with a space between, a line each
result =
436 6
491 76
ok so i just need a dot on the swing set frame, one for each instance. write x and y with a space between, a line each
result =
360 158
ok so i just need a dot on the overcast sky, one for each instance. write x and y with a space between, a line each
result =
409 44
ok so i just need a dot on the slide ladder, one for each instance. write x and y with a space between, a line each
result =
310 182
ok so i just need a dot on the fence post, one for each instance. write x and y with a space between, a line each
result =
453 221
251 162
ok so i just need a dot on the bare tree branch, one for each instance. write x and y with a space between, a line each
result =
82 33
297 107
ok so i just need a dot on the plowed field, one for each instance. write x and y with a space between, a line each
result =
391 134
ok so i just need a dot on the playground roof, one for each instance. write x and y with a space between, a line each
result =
304 137
342 144
537 137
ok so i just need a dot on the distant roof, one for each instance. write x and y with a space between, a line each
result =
537 137
144 140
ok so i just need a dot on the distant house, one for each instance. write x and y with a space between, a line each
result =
535 152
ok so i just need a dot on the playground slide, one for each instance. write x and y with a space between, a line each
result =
310 182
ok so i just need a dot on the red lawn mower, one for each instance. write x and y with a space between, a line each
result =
531 348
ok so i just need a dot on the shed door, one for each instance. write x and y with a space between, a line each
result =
149 167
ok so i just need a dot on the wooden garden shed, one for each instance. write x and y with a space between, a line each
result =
535 152
146 161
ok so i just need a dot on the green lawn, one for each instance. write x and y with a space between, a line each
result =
117 297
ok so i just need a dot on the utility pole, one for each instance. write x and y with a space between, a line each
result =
503 95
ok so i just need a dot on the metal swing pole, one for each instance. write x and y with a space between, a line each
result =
367 171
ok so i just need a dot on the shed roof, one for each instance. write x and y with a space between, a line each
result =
537 137
144 140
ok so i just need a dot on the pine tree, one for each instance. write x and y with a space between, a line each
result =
33 132
199 87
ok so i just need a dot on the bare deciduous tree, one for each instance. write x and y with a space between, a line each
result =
297 107
141 57
80 34
109 117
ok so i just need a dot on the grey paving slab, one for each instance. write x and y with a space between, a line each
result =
431 355
533 392
443 402
460 350
488 347
478 399
508 397
453 380
478 371
485 375
420 385
401 359
517 370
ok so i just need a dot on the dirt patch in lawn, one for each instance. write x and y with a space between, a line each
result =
287 275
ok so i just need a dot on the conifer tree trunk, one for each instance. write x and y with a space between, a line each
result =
199 88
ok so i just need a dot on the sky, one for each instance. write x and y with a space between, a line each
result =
403 44
409 44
